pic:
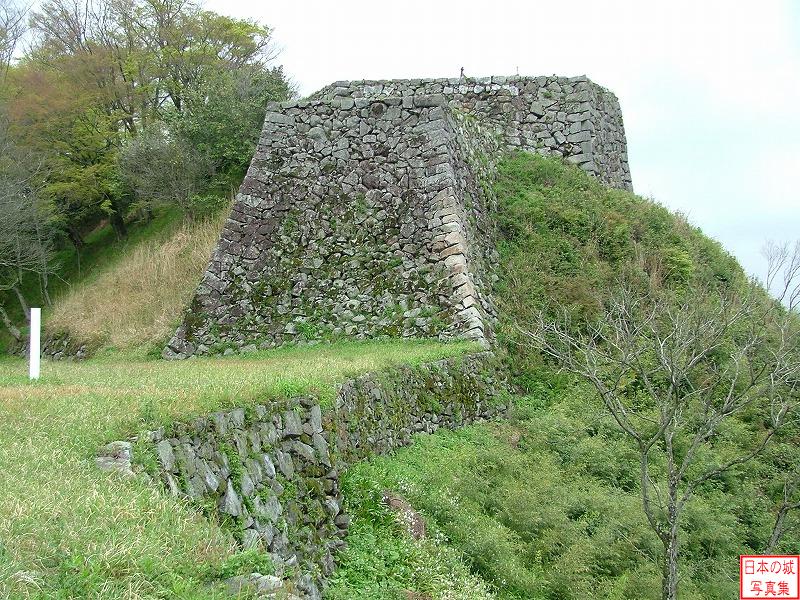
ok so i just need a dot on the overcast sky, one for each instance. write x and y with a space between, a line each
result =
710 91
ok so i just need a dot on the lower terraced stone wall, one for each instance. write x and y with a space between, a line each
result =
271 472
57 346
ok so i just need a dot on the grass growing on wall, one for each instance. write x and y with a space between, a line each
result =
70 531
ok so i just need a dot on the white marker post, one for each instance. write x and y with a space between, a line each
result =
36 342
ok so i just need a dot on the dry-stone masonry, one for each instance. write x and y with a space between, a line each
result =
56 346
561 116
366 211
272 471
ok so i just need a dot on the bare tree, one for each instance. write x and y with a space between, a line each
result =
672 366
25 235
12 28
163 170
789 502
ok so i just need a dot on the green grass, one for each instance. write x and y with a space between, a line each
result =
383 562
565 240
548 506
70 531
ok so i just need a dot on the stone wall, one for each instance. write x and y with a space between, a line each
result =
366 210
358 218
272 472
56 346
571 117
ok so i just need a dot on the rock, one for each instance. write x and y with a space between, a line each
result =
166 455
116 457
269 508
269 467
310 591
230 503
342 521
250 539
267 584
285 463
315 419
410 519
247 486
321 446
332 506
292 425
304 450
261 586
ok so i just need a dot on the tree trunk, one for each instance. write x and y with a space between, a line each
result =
22 302
12 329
777 529
669 589
44 283
117 222
75 237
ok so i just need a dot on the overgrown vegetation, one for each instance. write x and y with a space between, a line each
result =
114 111
547 506
67 530
383 562
550 506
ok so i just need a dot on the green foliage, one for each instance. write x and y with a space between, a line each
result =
242 563
382 562
555 492
566 239
162 170
222 119
547 506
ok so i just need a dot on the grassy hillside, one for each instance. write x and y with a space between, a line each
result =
135 302
548 506
565 240
68 530
101 253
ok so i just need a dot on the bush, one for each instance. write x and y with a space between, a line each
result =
162 169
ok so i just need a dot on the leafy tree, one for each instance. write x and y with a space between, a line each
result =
103 72
61 119
223 118
163 170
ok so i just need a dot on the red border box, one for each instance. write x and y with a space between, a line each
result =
762 556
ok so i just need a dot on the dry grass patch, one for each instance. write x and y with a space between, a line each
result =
139 301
